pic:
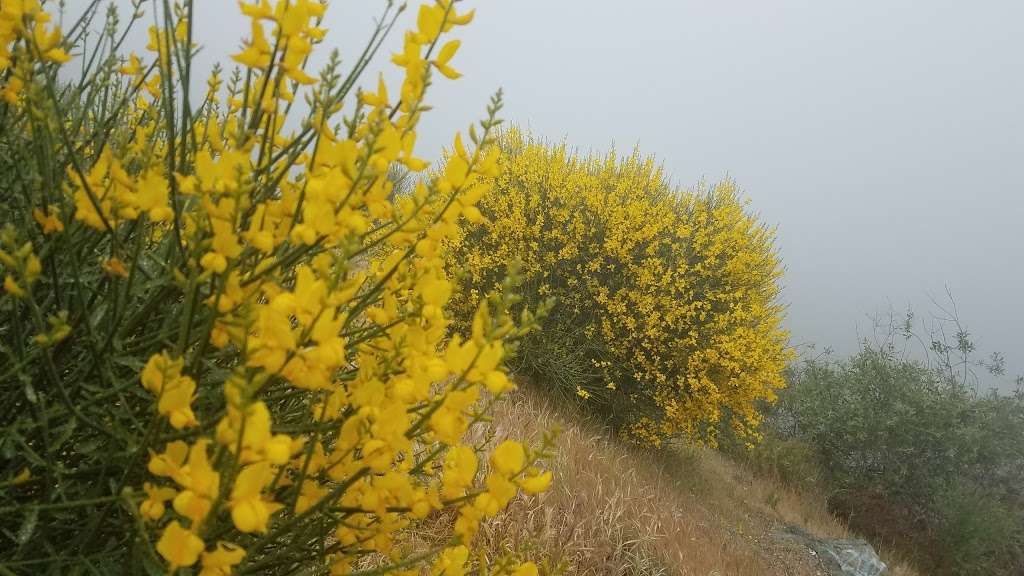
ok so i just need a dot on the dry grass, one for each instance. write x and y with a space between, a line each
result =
615 509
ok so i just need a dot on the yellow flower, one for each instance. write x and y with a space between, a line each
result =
153 506
497 382
525 569
457 19
500 490
24 476
214 262
249 511
175 392
429 21
536 483
159 370
203 479
434 291
152 197
47 42
262 10
310 494
460 356
59 330
169 464
33 268
133 67
221 561
448 422
251 57
460 465
48 221
12 90
509 457
115 267
444 56
12 288
255 424
57 55
201 485
451 562
178 546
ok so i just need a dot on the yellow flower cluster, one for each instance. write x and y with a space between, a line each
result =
26 36
122 197
665 300
22 265
309 394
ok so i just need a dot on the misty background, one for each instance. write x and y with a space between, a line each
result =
883 137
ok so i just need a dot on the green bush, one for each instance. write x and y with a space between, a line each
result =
792 461
909 450
982 533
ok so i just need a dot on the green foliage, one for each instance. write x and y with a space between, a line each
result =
911 452
792 461
981 534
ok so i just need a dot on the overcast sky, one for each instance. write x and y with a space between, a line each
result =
882 137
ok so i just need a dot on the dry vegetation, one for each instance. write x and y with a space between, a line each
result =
617 510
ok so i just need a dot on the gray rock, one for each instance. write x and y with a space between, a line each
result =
840 557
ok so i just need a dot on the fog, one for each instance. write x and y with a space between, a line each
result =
881 137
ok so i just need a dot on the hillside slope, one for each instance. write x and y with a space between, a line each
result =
615 509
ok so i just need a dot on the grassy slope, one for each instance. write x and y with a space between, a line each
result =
617 510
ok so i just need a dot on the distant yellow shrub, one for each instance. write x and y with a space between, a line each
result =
666 316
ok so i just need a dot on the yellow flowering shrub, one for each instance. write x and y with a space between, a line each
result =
666 316
225 344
